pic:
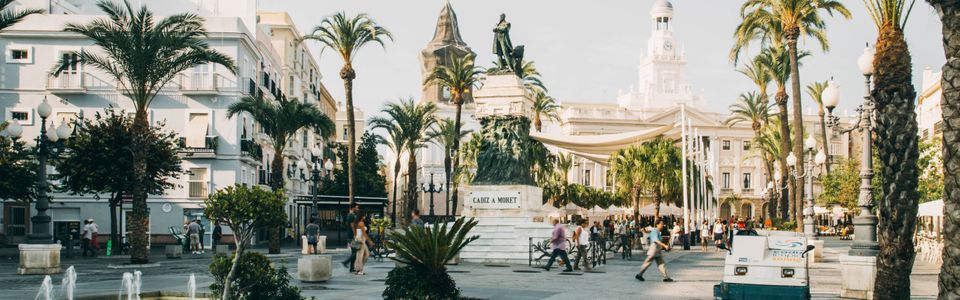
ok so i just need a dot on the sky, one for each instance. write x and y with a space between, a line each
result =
588 50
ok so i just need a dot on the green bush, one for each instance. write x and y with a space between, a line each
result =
785 225
419 282
256 278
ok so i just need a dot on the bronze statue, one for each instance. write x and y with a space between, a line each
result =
509 58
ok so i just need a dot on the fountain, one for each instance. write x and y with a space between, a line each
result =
69 283
46 289
192 287
131 284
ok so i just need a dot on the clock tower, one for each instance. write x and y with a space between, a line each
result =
662 71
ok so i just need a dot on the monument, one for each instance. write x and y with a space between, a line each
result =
503 197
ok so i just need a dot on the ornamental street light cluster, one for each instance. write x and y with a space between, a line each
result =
432 189
49 143
865 223
809 144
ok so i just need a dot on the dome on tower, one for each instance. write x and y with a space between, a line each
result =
662 4
662 8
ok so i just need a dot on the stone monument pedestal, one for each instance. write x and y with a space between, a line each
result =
321 245
314 268
818 251
858 273
508 216
39 259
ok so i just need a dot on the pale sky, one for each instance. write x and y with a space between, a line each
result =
587 50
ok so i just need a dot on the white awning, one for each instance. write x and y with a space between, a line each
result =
666 209
931 209
197 132
598 148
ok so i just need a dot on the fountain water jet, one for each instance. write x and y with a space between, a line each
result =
46 289
192 287
69 283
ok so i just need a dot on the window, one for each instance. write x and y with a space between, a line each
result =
726 180
747 181
586 177
198 183
20 115
197 135
19 55
726 145
344 133
746 145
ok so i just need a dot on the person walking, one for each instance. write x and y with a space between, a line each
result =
351 217
718 233
94 233
624 240
704 235
654 254
85 238
360 240
558 242
582 240
216 235
313 235
202 234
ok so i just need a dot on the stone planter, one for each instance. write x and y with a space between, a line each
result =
314 268
39 259
174 251
222 249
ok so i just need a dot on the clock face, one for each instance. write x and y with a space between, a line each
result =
667 46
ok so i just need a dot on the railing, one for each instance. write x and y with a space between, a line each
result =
65 81
252 149
209 146
198 82
747 191
251 87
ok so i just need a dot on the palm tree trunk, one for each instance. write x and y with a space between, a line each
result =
396 173
537 123
348 74
276 183
657 199
448 171
114 223
635 196
949 282
896 142
412 190
139 217
825 141
797 195
786 197
456 149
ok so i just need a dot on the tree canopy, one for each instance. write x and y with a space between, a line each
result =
369 181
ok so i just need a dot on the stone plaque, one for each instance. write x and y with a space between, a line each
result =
494 200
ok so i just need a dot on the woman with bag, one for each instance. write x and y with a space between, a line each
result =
360 241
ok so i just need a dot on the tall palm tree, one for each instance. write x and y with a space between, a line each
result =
949 11
8 17
397 144
776 61
760 76
752 108
544 106
768 146
661 171
444 135
281 121
530 77
143 54
460 77
413 122
793 19
347 35
896 143
815 91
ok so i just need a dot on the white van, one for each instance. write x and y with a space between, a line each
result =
766 265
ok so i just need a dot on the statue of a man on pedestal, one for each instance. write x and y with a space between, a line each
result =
509 58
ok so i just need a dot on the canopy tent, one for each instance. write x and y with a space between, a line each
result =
931 209
598 148
666 209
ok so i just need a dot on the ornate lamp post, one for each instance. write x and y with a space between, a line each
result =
865 223
432 189
809 143
315 174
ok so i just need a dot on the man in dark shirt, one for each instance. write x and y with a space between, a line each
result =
349 220
217 234
415 219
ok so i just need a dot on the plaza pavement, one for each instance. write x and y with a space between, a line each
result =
695 273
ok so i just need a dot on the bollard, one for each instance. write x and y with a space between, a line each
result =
530 251
109 247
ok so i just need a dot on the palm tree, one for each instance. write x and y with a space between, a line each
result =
347 35
950 17
444 135
397 144
793 19
413 122
752 108
776 61
757 72
530 77
815 91
281 121
769 147
652 167
544 106
460 78
14 16
142 55
896 143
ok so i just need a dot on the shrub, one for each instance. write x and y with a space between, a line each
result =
419 282
256 279
424 251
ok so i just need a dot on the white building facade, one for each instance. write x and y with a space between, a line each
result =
217 151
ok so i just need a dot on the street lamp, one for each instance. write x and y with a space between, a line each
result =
865 223
807 174
315 174
431 188
46 146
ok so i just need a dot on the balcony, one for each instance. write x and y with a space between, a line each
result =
66 83
747 191
250 149
205 84
251 87
209 149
